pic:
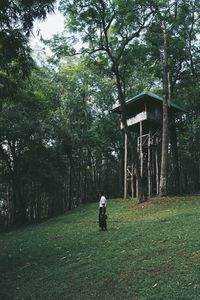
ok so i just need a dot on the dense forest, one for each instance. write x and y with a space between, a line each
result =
60 143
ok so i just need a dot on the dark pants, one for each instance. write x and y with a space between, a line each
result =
102 218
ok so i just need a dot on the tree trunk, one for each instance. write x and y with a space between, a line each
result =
125 165
164 154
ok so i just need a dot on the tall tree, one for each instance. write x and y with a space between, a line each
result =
171 35
165 125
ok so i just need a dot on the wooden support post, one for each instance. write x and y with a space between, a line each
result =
153 173
125 164
141 152
137 189
149 166
132 187
157 169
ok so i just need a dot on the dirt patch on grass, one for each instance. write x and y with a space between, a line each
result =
196 256
147 204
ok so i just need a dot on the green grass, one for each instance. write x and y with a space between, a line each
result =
151 251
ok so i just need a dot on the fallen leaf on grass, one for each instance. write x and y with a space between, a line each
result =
63 257
28 264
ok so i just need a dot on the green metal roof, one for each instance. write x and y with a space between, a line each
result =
153 96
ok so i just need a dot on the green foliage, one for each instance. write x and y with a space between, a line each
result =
16 23
28 149
85 110
151 251
181 21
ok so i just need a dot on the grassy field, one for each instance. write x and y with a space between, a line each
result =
151 251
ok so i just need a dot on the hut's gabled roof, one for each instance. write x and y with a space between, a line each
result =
149 98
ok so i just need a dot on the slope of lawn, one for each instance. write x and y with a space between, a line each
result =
151 251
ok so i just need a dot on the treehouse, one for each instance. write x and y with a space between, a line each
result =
144 118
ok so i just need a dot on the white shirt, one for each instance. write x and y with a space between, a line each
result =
102 201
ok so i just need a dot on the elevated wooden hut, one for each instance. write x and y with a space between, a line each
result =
144 117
